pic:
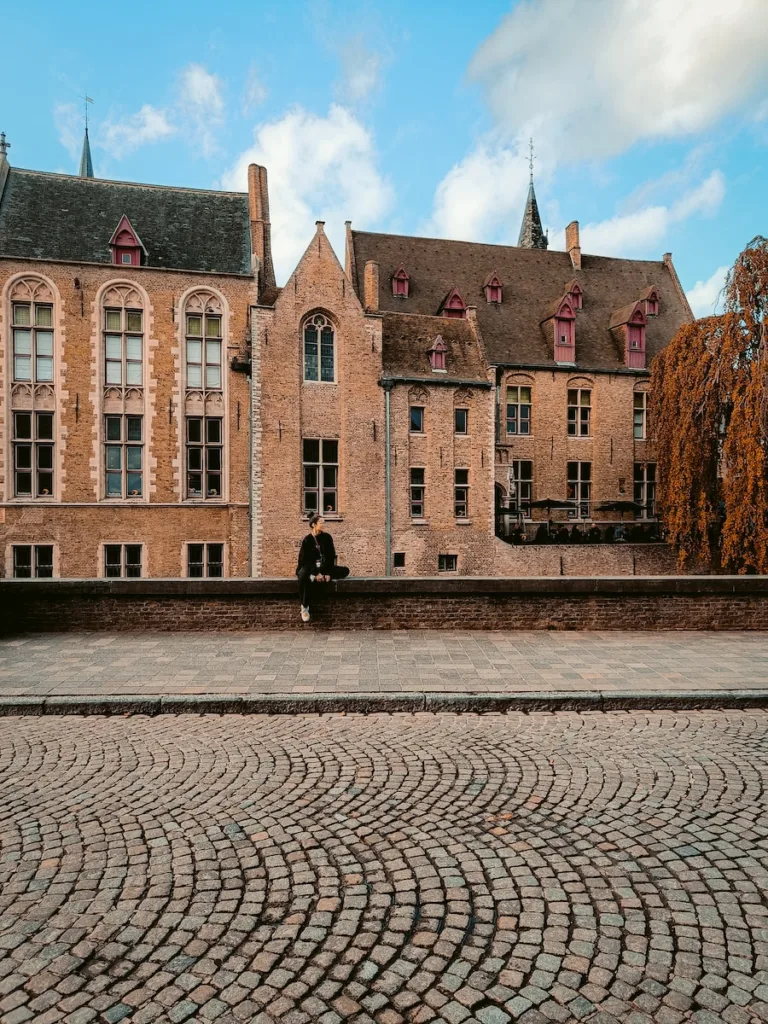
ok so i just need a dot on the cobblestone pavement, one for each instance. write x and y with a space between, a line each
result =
378 662
595 867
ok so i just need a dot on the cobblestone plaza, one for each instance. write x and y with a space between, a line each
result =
389 868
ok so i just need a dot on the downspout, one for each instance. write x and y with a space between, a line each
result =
250 452
387 479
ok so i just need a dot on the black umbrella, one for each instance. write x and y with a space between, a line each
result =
550 503
621 507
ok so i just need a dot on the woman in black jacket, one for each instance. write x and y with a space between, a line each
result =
317 562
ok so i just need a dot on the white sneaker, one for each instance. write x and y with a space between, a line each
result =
304 614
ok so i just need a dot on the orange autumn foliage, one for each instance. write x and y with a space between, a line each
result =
709 416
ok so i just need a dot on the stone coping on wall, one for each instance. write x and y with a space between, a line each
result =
453 586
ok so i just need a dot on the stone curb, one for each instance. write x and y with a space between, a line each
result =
392 703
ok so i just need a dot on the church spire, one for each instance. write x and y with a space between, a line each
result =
531 232
86 164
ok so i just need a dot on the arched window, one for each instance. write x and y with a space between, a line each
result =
123 326
203 332
319 350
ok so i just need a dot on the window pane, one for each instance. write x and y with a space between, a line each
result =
310 353
133 348
22 368
113 346
22 562
460 421
113 319
586 470
462 476
214 485
311 450
44 483
195 485
213 459
213 352
112 554
651 471
195 326
133 560
639 399
45 426
213 376
114 457
133 319
194 430
114 374
310 501
23 456
113 428
21 314
22 342
133 458
329 501
45 456
44 343
525 395
585 397
133 373
134 428
44 368
329 476
22 425
326 354
310 477
417 476
194 376
195 559
215 560
23 484
213 327
417 419
330 452
133 485
195 459
194 351
44 561
213 431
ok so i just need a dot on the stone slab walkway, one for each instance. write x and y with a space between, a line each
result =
371 664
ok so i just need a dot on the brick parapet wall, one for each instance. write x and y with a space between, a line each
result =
661 602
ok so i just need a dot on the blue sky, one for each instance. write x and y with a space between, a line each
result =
650 117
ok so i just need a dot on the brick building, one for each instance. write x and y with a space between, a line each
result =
124 334
167 410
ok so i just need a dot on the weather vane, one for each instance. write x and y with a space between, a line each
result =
530 156
88 100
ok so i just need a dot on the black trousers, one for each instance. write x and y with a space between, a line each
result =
307 586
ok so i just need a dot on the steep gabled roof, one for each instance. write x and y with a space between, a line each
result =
625 314
533 279
62 217
531 232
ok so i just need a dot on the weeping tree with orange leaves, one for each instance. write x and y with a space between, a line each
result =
709 416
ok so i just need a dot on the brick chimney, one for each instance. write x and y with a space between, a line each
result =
371 287
261 230
572 244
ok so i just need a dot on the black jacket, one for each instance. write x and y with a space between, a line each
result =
314 549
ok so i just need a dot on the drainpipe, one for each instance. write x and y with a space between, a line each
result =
388 478
250 454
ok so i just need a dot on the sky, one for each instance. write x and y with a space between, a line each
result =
649 117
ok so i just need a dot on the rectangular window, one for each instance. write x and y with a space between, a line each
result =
521 486
645 488
32 329
398 560
447 563
33 454
461 494
205 560
580 488
640 414
123 456
123 347
321 475
417 493
417 419
205 456
461 421
122 560
32 561
518 410
204 347
579 409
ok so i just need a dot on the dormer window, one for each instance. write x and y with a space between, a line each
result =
575 295
127 248
454 306
437 355
636 340
651 302
564 321
492 288
400 283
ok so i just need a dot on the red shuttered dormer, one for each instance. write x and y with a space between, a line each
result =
454 307
400 283
493 288
127 248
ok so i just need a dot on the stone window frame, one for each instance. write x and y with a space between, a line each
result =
34 288
447 563
643 410
412 408
461 493
204 446
576 483
320 318
580 387
10 559
206 562
516 479
417 493
126 444
643 484
321 488
124 545
36 445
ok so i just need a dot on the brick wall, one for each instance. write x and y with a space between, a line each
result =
577 603
584 560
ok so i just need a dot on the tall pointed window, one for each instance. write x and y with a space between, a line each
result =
319 350
32 341
204 350
123 347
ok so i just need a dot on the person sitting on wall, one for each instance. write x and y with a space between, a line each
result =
542 535
610 534
317 562
594 536
577 537
563 536
637 534
620 533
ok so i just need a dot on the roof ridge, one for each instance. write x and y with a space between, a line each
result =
134 184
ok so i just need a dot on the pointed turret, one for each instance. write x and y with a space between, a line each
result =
86 164
531 232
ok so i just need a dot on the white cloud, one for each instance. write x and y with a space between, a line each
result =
641 232
255 92
320 168
361 70
123 136
479 197
599 77
202 103
705 296
69 127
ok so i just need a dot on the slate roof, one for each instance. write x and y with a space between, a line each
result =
407 337
533 279
62 217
